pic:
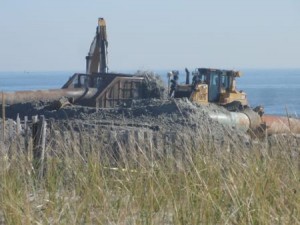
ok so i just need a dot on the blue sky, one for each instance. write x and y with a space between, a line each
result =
157 34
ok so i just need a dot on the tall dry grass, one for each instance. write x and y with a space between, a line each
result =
200 184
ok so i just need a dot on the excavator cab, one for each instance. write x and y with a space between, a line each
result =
213 86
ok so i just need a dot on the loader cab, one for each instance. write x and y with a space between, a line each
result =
221 85
212 78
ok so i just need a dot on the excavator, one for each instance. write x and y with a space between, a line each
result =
102 89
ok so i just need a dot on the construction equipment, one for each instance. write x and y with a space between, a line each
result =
211 86
101 89
218 87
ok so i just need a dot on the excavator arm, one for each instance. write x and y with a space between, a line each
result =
96 60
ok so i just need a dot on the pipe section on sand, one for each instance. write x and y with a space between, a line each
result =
280 124
233 119
245 120
52 94
249 119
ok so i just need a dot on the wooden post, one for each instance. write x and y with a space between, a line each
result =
43 145
18 132
18 128
3 117
10 131
26 140
35 155
39 143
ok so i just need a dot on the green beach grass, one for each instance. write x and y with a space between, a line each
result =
257 185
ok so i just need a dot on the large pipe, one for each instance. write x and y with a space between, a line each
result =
233 119
280 124
52 94
249 119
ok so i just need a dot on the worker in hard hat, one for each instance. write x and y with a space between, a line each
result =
174 83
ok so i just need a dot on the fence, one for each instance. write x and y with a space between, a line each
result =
117 141
30 137
40 138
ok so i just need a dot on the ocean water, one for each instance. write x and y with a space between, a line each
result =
17 81
278 90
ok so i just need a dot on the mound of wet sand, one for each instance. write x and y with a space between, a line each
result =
169 115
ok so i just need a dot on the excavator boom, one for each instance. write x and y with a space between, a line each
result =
96 60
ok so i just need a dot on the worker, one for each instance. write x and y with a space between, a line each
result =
196 80
174 83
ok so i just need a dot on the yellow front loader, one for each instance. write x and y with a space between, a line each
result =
210 86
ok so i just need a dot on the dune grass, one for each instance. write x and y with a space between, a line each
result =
257 185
